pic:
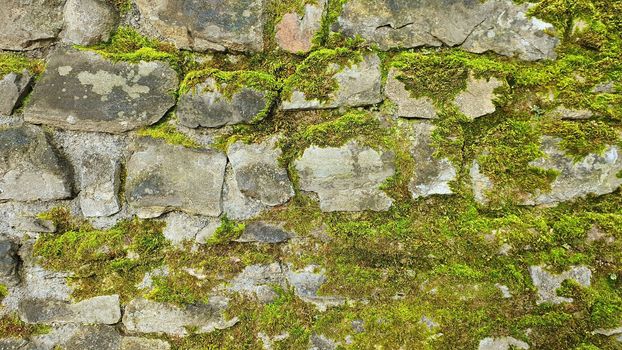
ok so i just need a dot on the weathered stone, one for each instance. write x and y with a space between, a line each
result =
496 25
137 343
235 204
26 25
182 227
145 316
34 224
548 283
502 343
480 183
262 232
358 85
294 33
407 106
207 25
321 342
605 87
9 262
258 173
101 310
431 175
346 178
13 87
14 344
258 280
307 283
88 22
30 168
94 337
206 105
573 114
100 181
477 99
80 90
162 177
595 173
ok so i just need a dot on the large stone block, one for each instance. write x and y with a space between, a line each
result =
88 22
29 24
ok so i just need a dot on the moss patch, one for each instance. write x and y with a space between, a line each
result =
166 130
16 63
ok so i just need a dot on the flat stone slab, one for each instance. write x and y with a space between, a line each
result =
30 167
346 178
406 105
477 99
547 283
27 25
13 87
9 262
145 316
262 232
101 310
294 33
357 85
207 25
495 25
80 90
502 343
163 177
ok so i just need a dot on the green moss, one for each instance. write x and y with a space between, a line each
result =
122 6
11 326
166 130
226 232
16 63
562 13
4 292
582 138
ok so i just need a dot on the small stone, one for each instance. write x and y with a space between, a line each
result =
407 106
162 177
14 344
101 310
321 342
605 87
480 183
295 33
262 232
137 343
88 22
94 337
548 283
572 114
124 95
505 291
235 204
307 283
27 25
9 262
13 88
145 316
100 181
35 224
346 178
257 281
182 227
477 100
258 173
30 168
428 322
502 343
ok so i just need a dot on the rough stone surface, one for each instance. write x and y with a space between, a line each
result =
206 106
321 342
593 174
88 22
572 114
9 262
358 85
162 177
477 100
26 25
183 227
307 283
207 25
548 283
137 343
13 87
100 181
502 343
94 337
258 173
496 25
262 232
294 33
480 183
80 90
407 106
101 310
346 178
236 205
258 280
30 168
145 316
431 175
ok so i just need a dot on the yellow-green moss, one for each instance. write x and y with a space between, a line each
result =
166 130
17 63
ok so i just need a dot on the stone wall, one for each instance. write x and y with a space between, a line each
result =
310 174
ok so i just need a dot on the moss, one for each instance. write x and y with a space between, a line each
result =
122 6
16 63
582 138
227 231
4 292
166 130
562 13
11 326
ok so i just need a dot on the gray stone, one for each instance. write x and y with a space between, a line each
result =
258 173
294 33
101 310
258 280
14 344
88 22
182 227
80 90
263 232
9 262
94 337
100 181
137 343
477 100
207 25
205 105
34 224
346 178
145 316
321 342
26 25
235 204
548 283
30 168
431 175
358 85
307 283
502 343
605 87
162 177
480 183
572 114
407 106
13 87
595 173
495 25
